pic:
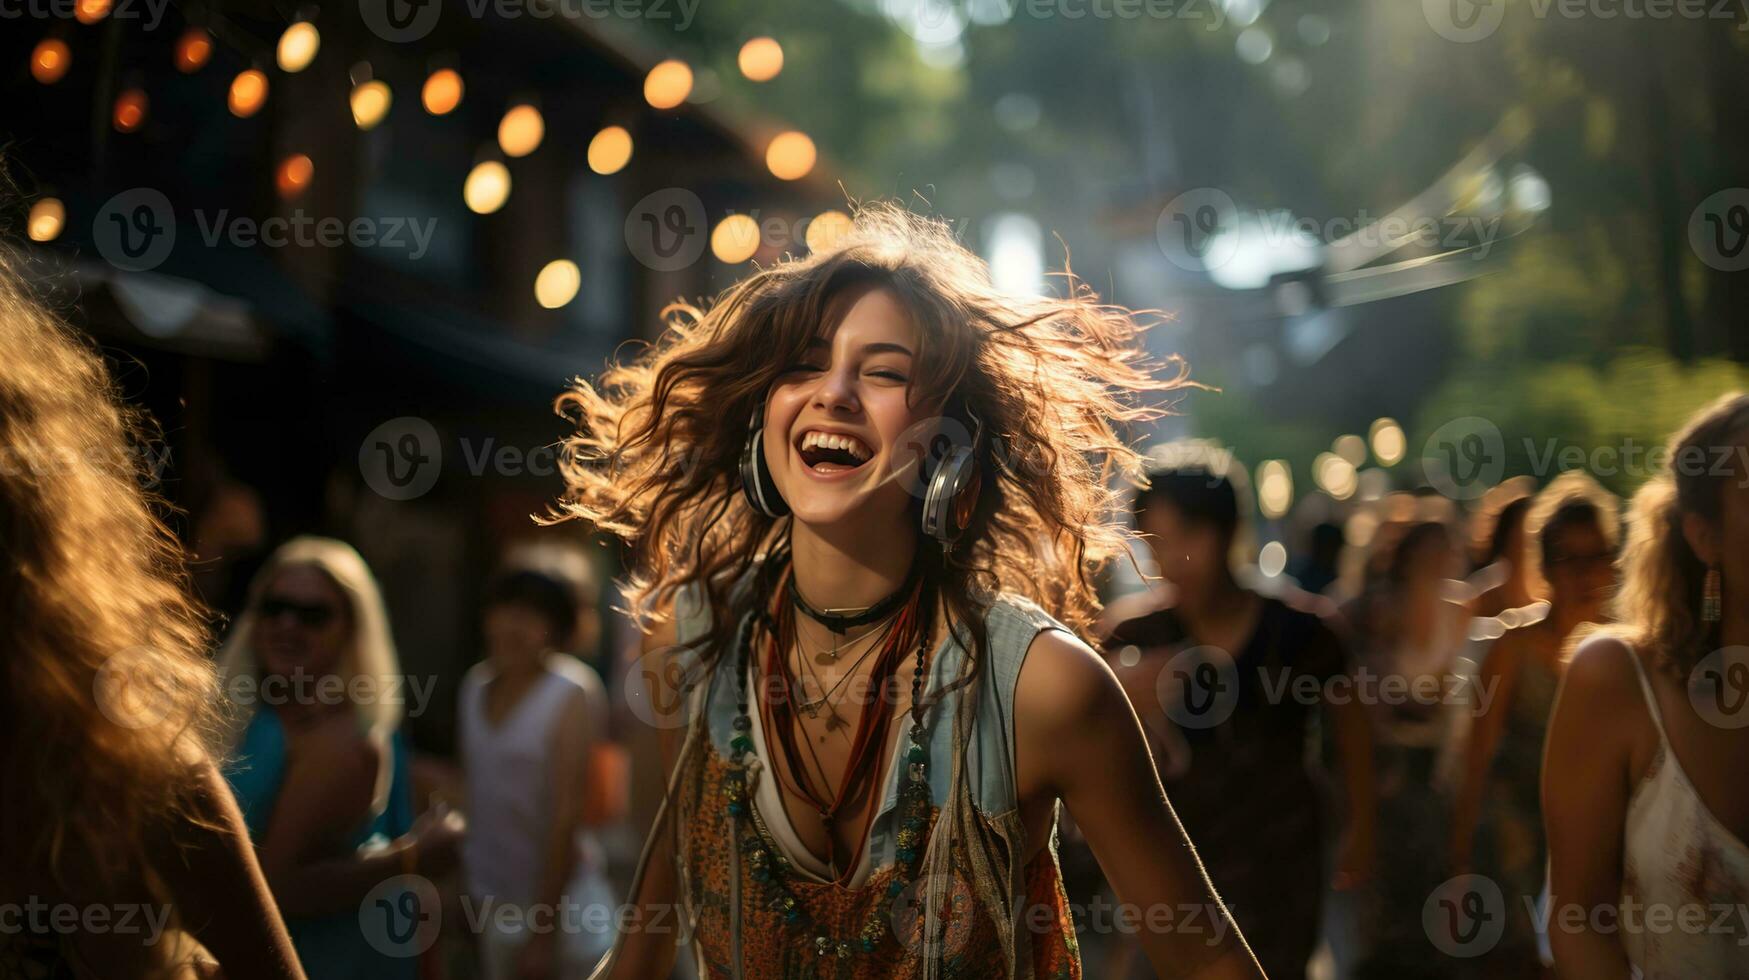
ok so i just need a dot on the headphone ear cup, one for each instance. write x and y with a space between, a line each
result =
942 513
756 481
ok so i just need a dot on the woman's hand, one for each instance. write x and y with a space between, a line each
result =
436 838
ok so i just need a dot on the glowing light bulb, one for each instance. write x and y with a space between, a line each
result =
193 50
442 92
130 110
668 84
46 220
370 103
521 130
735 239
248 93
298 46
557 284
294 174
610 150
761 59
487 187
790 156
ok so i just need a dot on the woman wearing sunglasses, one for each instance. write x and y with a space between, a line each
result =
862 479
320 767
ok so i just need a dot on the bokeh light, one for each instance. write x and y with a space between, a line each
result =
248 93
487 187
827 230
370 103
1351 448
46 220
442 92
193 50
761 59
735 239
557 283
668 84
521 130
50 61
1335 476
610 150
91 11
1272 559
294 175
1388 442
298 46
1275 488
130 110
790 156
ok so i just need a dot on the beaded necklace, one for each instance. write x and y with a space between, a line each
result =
772 870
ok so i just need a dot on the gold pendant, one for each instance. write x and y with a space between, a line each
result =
826 658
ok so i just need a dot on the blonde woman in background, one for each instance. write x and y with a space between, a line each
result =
1571 533
319 766
114 810
1644 799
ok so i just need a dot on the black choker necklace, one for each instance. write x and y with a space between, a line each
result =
843 624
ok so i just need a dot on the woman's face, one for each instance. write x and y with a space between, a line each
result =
517 636
837 421
1580 568
302 624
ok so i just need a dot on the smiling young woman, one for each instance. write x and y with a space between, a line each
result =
876 716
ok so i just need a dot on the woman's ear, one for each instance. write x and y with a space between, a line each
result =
1702 538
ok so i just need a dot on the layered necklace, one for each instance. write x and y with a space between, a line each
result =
907 631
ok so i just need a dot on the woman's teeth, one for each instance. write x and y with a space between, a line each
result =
828 440
828 452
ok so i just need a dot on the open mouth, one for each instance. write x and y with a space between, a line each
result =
831 452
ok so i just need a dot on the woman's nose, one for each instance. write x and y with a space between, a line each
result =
836 390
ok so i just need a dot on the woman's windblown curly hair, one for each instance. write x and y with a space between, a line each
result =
655 457
108 700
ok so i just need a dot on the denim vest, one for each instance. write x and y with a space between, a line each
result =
1011 621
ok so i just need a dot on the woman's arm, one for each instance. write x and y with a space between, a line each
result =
1586 779
567 775
326 795
1077 737
1499 671
220 894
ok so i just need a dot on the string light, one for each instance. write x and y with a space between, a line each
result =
193 49
668 84
610 150
370 103
298 46
761 59
442 92
521 131
91 11
790 156
294 175
826 230
50 61
130 110
47 217
487 187
248 93
735 239
557 284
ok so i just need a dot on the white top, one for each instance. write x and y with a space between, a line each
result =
509 776
1678 862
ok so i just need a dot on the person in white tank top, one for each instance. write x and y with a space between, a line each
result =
533 873
1644 800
